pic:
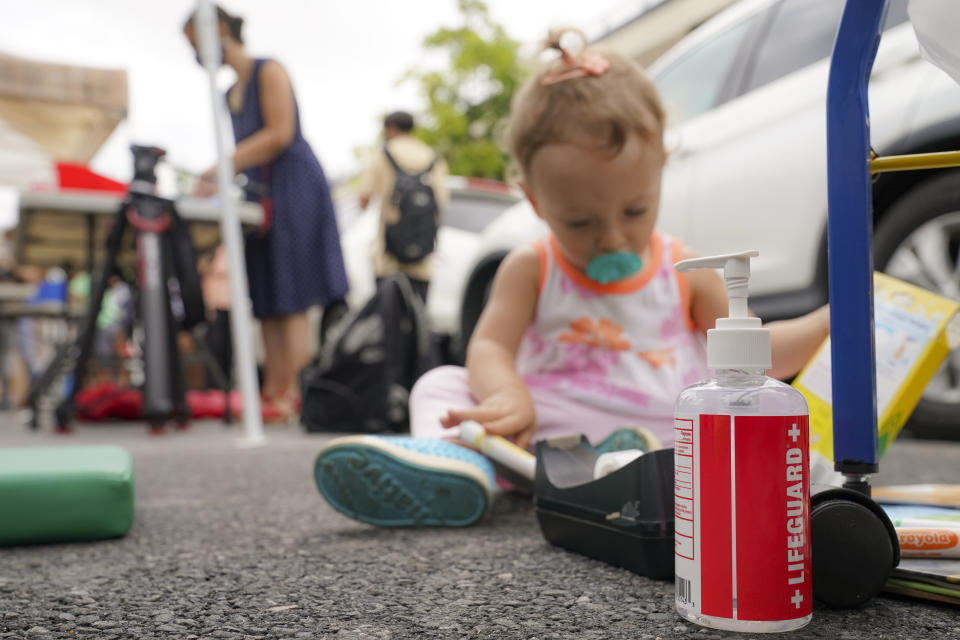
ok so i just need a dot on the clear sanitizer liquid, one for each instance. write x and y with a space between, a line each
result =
741 482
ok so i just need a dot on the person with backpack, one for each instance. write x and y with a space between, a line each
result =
409 178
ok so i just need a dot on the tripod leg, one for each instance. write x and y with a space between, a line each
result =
41 384
181 411
85 339
155 314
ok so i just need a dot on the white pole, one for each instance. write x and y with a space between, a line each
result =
208 41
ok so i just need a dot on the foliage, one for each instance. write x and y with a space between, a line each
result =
468 102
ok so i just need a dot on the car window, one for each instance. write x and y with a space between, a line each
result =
473 212
693 84
802 32
896 13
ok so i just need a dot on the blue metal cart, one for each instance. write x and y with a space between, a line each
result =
854 543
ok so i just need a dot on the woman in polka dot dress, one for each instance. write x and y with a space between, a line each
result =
294 262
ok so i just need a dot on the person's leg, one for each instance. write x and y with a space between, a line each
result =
26 342
275 353
560 415
434 394
397 481
448 387
297 337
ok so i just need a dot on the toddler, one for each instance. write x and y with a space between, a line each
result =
588 330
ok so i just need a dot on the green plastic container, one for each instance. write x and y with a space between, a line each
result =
65 494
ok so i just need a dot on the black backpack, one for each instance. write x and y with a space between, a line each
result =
414 236
361 382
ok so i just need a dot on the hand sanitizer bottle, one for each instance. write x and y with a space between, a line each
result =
742 485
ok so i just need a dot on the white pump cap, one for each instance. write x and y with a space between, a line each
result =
738 341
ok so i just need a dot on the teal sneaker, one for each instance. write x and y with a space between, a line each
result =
629 438
397 481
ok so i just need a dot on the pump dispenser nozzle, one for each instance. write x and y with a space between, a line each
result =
738 341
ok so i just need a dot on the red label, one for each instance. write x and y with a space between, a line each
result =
716 561
754 519
773 518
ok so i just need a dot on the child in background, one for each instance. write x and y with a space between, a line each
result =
588 330
215 281
114 323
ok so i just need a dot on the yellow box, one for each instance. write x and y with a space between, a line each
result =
915 330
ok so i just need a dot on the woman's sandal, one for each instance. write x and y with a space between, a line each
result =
277 411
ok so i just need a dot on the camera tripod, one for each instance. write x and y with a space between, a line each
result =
156 227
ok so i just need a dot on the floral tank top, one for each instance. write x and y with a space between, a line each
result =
626 347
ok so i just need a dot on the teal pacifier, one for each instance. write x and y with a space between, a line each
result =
613 266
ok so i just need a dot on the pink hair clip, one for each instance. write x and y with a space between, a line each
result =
591 64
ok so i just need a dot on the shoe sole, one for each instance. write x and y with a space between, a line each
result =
641 438
379 483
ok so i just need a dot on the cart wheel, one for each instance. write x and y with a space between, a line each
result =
854 547
157 429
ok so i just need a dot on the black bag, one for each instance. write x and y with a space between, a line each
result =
361 382
414 236
184 260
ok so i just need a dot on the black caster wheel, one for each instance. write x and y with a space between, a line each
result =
854 547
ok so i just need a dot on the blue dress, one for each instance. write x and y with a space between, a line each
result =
297 263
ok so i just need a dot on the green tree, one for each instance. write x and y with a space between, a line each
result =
468 102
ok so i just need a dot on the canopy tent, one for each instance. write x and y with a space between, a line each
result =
52 113
24 164
53 120
66 111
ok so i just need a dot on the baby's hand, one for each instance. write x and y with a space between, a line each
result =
508 412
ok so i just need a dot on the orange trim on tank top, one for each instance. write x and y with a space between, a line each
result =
683 284
627 285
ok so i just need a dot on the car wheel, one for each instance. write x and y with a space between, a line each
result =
918 240
475 298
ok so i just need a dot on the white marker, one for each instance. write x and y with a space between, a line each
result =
499 449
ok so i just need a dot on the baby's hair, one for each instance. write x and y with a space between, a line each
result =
594 111
234 23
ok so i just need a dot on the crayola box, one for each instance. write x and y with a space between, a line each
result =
915 330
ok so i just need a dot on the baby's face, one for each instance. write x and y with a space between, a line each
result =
595 203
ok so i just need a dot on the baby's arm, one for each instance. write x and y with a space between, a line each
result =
792 342
504 405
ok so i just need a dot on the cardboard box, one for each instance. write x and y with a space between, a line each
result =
915 330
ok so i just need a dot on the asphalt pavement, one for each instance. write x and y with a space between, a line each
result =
230 542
